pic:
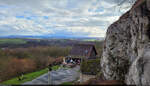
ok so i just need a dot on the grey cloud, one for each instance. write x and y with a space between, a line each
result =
90 23
60 13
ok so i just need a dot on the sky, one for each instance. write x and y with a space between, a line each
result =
78 18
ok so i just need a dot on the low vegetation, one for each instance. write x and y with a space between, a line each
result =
91 67
99 47
55 67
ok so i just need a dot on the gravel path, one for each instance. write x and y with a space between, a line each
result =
57 77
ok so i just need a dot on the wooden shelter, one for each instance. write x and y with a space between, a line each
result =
86 51
81 51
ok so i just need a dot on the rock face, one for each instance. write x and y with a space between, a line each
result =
126 52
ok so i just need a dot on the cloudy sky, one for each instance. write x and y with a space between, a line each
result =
86 18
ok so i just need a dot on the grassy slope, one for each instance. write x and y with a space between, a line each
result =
13 41
28 77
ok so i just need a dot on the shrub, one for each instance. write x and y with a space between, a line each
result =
58 61
16 67
91 66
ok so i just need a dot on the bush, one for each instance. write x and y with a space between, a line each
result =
16 67
58 61
91 66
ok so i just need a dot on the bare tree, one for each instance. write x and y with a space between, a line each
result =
122 2
123 5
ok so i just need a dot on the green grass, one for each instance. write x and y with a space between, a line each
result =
27 77
58 66
55 67
12 41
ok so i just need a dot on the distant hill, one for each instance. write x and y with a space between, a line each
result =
32 42
55 37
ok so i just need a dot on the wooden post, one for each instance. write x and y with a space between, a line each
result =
48 77
80 70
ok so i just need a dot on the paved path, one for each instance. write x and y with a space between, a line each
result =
57 77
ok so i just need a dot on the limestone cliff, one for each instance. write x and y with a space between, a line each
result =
126 52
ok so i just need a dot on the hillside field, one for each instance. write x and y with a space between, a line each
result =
12 41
